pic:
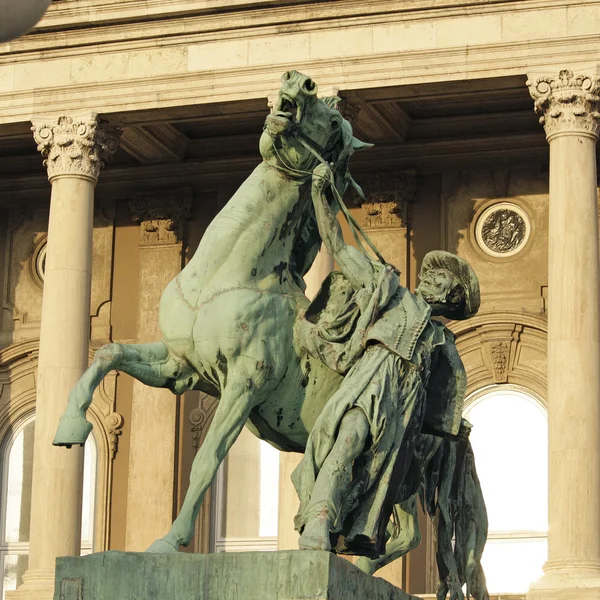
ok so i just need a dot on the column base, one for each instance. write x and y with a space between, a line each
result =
37 585
562 581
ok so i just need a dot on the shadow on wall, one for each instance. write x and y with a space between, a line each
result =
497 220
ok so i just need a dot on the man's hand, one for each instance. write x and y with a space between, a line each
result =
322 176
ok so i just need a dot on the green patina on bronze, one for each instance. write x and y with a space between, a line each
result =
362 380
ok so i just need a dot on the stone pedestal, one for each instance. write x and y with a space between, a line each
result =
568 105
291 575
74 148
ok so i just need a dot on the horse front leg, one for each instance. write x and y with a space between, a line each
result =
152 364
237 400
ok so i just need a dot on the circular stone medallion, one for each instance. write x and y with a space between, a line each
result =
40 263
502 229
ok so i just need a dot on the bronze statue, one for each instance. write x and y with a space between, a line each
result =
236 324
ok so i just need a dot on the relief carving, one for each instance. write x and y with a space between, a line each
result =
504 348
389 197
161 215
114 427
502 229
76 146
568 102
201 417
500 358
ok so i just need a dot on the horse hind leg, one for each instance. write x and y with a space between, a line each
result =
152 364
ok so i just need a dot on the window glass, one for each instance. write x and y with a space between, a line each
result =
510 443
16 467
247 496
13 568
18 486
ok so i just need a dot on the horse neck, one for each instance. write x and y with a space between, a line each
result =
267 208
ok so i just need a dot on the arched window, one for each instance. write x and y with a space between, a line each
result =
246 502
510 443
16 467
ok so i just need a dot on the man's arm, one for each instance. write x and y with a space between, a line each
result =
357 267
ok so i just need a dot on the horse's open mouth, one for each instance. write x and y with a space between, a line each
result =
288 108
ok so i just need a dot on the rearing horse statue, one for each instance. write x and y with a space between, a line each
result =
227 318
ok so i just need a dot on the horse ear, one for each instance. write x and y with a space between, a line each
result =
331 101
358 145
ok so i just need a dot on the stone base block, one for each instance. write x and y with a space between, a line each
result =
288 575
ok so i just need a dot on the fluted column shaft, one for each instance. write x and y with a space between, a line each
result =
568 106
74 148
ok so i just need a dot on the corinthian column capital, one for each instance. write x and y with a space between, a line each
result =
75 146
567 103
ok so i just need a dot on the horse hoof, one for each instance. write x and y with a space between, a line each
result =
162 546
71 431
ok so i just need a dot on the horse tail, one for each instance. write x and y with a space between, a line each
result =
452 496
471 527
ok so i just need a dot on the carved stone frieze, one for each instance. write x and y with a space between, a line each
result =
161 215
389 197
75 145
567 103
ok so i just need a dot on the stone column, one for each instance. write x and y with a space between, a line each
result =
75 148
287 537
568 105
152 458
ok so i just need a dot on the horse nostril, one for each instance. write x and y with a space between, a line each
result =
286 76
309 86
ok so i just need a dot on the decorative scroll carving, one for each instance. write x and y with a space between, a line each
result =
389 196
161 214
114 427
200 417
567 103
75 146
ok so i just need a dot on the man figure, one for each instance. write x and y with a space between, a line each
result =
359 459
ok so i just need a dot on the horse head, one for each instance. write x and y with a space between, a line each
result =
304 130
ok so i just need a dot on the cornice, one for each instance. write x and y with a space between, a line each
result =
77 12
133 24
373 70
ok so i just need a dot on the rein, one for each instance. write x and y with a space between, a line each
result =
355 228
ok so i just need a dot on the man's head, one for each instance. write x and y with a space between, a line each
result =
449 285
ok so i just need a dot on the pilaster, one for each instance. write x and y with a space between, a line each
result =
152 461
386 214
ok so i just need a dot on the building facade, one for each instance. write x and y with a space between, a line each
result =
147 114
